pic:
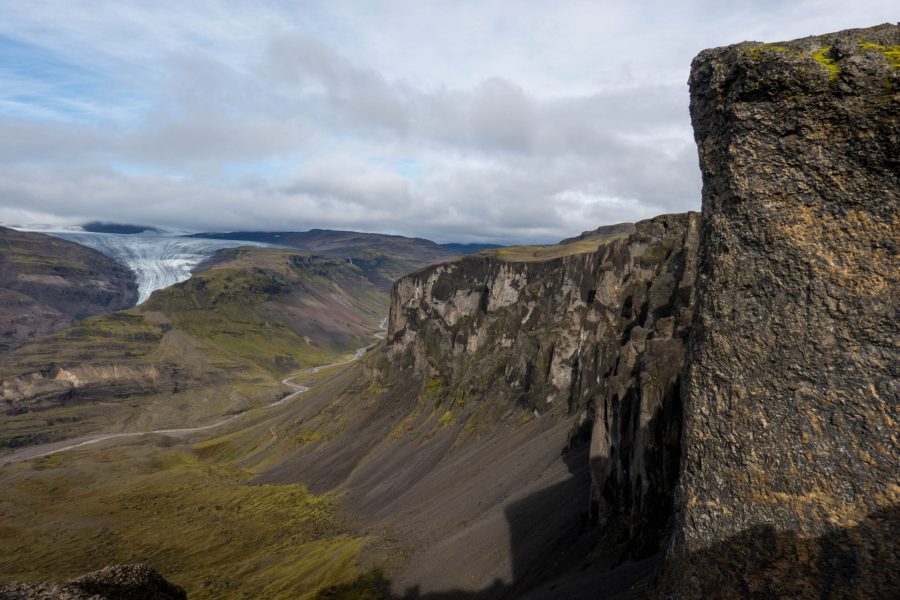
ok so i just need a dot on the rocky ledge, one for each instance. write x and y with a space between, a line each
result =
121 582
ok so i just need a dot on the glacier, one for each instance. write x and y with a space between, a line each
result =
157 259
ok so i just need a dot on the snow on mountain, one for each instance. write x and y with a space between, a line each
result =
158 259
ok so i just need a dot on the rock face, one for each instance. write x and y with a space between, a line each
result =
123 582
47 283
601 333
789 482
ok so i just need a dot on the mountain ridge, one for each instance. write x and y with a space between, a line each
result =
48 284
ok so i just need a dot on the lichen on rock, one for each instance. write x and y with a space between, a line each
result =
789 480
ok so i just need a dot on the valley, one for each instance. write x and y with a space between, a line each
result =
415 473
212 346
694 405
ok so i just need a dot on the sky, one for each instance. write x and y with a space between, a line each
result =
469 121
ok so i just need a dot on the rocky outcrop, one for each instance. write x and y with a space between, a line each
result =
56 384
789 481
601 333
47 283
122 582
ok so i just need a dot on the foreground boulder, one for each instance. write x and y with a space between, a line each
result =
121 582
789 482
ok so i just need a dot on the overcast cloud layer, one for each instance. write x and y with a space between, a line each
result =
468 121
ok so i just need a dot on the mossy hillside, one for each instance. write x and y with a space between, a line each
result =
265 436
271 308
823 56
217 344
42 264
197 521
892 53
104 338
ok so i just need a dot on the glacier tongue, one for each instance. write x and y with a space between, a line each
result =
158 260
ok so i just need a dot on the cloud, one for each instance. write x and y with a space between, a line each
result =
462 120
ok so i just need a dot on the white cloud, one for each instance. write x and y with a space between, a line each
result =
513 121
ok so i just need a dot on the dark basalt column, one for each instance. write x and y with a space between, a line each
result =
790 474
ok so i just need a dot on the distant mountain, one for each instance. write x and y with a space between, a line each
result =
327 239
384 258
101 227
213 345
46 283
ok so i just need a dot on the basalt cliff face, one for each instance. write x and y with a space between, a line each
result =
598 336
789 482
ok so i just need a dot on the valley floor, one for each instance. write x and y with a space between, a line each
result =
247 513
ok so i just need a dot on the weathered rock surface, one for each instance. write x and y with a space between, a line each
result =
601 333
789 482
47 283
122 582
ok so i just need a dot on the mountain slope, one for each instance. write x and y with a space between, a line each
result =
47 283
384 258
217 343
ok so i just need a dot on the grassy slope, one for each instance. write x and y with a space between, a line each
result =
238 328
195 520
541 253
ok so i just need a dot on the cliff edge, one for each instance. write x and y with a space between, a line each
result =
789 481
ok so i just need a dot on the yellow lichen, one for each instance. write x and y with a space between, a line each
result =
892 53
823 59
840 249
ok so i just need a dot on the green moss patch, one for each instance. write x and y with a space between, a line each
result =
198 523
823 59
892 53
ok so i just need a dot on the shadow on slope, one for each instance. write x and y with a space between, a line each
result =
555 552
858 561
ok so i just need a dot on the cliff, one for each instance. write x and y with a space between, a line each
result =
789 482
598 334
47 283
522 397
